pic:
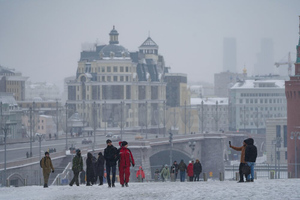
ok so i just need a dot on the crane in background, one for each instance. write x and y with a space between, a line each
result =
289 63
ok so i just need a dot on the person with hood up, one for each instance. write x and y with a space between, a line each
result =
197 169
242 161
165 173
126 159
47 166
111 157
77 167
182 167
190 171
140 175
90 176
250 157
100 168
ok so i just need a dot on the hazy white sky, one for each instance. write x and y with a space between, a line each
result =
43 39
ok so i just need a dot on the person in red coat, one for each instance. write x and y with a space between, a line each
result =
126 159
190 171
140 175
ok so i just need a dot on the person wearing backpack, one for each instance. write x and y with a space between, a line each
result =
46 165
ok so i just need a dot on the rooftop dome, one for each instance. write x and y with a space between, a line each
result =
117 50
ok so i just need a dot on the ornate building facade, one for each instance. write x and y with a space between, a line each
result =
115 89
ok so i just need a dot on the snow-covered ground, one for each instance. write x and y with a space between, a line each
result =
260 189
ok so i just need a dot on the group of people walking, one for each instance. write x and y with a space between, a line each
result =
95 167
193 170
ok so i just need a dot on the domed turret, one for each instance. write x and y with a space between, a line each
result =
113 35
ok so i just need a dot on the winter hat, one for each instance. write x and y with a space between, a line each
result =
108 141
166 165
120 143
46 153
77 150
124 143
190 161
100 153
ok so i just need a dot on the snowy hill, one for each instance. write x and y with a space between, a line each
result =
260 189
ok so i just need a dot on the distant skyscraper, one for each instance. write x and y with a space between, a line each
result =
229 54
265 58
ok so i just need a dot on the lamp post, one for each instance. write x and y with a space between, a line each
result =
40 156
294 136
5 130
171 147
192 145
66 126
94 124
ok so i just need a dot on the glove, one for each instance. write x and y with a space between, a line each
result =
52 171
132 165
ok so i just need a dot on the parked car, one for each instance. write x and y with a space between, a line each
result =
51 150
115 138
138 137
86 141
109 135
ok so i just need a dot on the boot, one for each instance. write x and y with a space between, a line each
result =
126 184
45 185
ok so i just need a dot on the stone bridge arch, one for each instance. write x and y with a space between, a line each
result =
16 180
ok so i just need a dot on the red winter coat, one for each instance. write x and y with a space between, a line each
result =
126 157
190 170
140 172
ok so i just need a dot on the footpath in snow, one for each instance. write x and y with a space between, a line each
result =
260 189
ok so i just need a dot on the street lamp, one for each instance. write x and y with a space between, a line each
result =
192 145
5 130
171 147
294 136
66 126
40 149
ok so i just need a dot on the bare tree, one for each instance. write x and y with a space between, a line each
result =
202 116
216 115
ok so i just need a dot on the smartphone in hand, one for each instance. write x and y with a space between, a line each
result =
229 143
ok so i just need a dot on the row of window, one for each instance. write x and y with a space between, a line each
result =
246 101
292 94
261 116
12 82
262 108
13 90
262 94
103 69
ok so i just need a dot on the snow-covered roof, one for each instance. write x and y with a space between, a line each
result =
255 84
209 101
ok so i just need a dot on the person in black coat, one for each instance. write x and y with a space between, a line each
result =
100 168
197 170
111 157
250 157
90 176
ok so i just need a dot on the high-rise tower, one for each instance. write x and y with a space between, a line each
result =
229 55
292 92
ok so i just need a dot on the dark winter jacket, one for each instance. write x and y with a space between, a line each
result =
251 151
111 155
89 164
197 168
174 168
100 165
77 163
182 166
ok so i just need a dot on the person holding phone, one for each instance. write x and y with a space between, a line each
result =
242 161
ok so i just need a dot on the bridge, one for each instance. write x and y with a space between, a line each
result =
210 148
